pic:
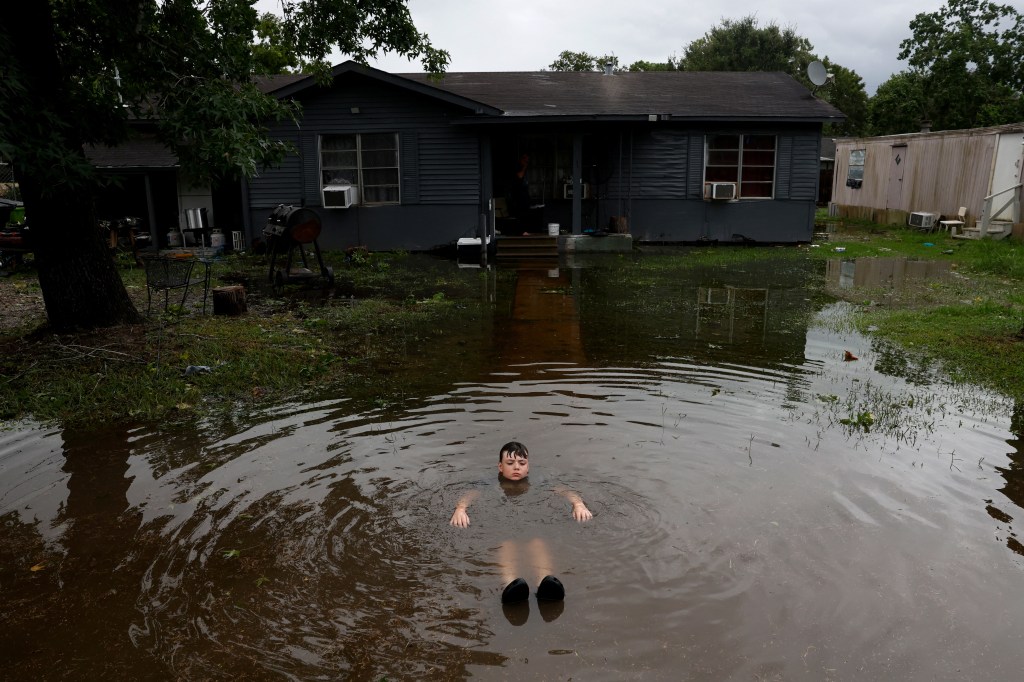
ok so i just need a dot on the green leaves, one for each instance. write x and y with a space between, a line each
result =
568 60
744 45
969 56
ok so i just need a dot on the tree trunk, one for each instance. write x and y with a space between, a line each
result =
81 286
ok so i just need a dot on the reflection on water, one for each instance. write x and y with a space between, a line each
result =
895 274
749 522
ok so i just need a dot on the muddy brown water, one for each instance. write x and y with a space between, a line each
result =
762 509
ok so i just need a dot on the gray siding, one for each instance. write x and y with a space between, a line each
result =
449 168
663 189
783 166
439 166
695 187
410 161
309 179
660 164
806 165
281 185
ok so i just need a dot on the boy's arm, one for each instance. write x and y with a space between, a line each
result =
460 518
579 510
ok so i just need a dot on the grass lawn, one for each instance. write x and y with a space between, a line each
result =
306 341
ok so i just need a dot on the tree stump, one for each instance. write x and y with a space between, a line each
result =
229 300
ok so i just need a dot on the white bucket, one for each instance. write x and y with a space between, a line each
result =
216 239
173 239
553 229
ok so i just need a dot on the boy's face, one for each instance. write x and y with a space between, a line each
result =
513 468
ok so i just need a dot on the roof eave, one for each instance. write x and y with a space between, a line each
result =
391 79
508 119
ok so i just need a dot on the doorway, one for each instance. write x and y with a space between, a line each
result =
896 167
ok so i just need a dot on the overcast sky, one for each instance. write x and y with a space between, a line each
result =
527 35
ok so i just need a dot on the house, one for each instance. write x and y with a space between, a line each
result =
407 162
886 179
147 185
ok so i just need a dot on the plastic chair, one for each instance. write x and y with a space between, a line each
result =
165 274
951 226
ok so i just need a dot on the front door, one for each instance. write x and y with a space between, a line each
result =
896 166
1007 172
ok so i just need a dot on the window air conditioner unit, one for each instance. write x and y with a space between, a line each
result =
923 220
567 190
722 191
339 196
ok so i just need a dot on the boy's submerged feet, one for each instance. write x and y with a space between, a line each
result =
516 591
550 589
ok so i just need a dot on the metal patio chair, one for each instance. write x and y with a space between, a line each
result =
165 274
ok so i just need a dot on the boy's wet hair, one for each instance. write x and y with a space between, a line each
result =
514 448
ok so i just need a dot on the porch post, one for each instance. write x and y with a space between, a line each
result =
577 183
154 234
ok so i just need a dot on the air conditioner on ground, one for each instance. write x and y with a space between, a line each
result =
339 196
722 191
925 221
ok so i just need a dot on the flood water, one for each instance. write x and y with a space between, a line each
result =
763 509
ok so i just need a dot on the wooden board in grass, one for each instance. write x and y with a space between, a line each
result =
229 300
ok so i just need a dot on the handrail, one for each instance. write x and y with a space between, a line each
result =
987 212
1004 191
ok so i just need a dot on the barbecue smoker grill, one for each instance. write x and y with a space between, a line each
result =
290 229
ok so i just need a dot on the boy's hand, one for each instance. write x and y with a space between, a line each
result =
460 518
580 512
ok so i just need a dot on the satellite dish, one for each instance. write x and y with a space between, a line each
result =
816 73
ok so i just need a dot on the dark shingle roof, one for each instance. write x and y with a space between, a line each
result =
268 84
690 95
686 95
141 150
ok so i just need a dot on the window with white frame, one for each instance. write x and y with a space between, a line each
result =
855 171
366 161
746 160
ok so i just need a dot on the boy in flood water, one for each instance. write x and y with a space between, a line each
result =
513 469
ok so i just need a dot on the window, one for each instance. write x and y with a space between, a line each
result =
747 160
855 171
366 161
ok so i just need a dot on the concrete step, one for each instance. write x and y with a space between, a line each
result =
997 229
539 246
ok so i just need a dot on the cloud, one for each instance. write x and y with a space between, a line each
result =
527 35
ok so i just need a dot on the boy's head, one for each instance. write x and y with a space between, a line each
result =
513 461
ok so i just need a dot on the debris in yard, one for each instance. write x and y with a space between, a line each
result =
848 356
192 370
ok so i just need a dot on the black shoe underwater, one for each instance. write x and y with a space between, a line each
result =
515 591
551 589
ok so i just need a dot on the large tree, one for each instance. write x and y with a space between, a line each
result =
898 105
970 57
272 52
670 64
80 72
568 60
745 45
844 90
